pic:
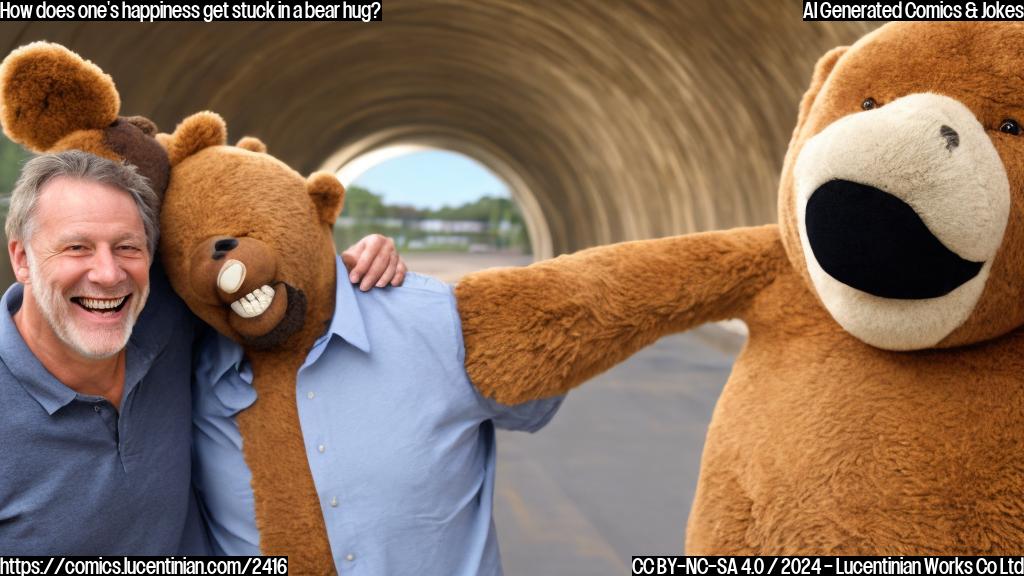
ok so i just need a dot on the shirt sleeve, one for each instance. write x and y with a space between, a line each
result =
526 417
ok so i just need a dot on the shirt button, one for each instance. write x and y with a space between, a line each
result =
350 557
334 501
321 448
310 395
96 408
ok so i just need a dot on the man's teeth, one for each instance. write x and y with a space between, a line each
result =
96 304
254 303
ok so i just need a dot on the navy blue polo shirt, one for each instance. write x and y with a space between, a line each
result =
76 476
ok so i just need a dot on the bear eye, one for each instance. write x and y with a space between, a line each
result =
869 104
1010 126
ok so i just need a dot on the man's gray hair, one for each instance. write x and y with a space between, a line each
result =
79 165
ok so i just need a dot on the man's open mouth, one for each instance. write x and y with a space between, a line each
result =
254 303
102 305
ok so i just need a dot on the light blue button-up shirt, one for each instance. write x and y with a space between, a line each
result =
400 443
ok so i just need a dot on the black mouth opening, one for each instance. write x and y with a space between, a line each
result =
873 241
292 322
78 300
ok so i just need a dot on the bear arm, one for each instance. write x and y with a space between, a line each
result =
538 331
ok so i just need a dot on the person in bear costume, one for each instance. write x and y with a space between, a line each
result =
53 101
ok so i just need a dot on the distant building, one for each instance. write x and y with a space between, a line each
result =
451 226
431 225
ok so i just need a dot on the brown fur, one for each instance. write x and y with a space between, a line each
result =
251 144
91 141
539 331
820 444
196 132
282 222
327 194
53 100
133 138
41 76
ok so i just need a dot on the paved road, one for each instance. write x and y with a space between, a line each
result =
614 473
450 267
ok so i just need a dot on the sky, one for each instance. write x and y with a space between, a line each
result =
431 179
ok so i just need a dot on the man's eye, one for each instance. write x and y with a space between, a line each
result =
76 248
129 250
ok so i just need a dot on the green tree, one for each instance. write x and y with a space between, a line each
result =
12 156
360 204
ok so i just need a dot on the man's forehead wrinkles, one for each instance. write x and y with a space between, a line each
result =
78 236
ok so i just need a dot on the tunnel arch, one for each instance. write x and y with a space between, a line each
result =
399 142
624 120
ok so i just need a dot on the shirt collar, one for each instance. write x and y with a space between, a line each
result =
346 323
51 394
151 332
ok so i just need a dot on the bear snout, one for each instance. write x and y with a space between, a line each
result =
224 267
223 246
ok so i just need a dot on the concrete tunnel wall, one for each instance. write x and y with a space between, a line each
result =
612 120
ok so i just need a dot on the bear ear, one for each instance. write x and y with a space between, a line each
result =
147 126
48 92
328 195
252 144
822 70
198 131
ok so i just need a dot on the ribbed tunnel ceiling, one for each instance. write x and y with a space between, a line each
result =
613 119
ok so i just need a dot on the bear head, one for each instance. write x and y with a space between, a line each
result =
246 240
902 193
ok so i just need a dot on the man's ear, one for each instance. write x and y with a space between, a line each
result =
328 195
19 260
822 70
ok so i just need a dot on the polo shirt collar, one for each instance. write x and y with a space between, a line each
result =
151 331
51 394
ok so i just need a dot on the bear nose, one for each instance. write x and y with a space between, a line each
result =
222 247
952 138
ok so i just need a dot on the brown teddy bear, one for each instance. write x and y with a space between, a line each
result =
876 408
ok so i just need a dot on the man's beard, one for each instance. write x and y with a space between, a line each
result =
97 343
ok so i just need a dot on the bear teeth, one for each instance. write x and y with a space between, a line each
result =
254 303
96 304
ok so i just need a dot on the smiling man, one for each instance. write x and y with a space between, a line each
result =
94 385
87 267
95 367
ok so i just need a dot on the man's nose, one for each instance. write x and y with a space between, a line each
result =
105 268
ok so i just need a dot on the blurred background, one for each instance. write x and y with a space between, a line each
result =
496 132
